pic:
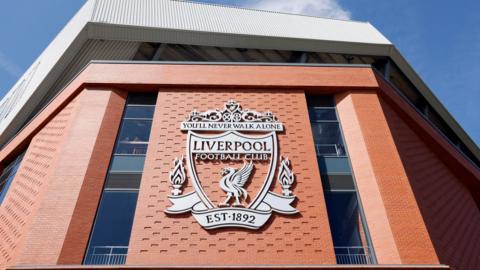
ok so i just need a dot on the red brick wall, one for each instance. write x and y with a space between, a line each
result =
448 209
27 189
49 180
179 240
381 234
52 221
76 239
407 226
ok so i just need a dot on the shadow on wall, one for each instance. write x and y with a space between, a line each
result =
448 207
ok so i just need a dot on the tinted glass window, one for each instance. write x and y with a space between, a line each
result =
333 165
345 223
5 184
142 98
7 176
113 226
330 150
131 148
113 223
338 182
127 164
320 101
344 211
139 112
328 114
123 180
328 138
135 131
327 133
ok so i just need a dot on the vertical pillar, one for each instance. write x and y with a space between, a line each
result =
396 226
61 227
81 224
23 199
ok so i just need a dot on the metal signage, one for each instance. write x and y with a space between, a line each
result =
225 137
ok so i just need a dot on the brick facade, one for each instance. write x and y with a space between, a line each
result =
448 209
168 240
405 186
24 197
46 237
404 219
376 216
76 239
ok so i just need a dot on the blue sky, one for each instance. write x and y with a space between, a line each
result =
440 39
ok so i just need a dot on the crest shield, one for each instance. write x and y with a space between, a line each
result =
232 146
232 171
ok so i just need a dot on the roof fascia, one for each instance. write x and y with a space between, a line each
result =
107 31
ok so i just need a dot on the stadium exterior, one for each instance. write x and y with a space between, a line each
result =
164 134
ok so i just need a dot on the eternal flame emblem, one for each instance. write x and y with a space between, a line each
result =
225 137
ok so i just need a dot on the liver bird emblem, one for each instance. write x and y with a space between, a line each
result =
233 181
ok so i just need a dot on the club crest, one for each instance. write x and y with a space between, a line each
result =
232 159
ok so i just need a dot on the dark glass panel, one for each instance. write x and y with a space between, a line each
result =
113 224
320 101
325 114
101 250
345 219
333 165
119 250
142 98
327 132
338 182
326 150
330 150
127 164
5 185
7 176
133 130
123 180
139 112
4 178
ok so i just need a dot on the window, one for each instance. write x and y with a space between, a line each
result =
325 128
346 221
136 125
113 224
7 176
109 240
133 138
349 233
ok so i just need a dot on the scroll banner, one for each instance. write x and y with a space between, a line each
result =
211 218
183 203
